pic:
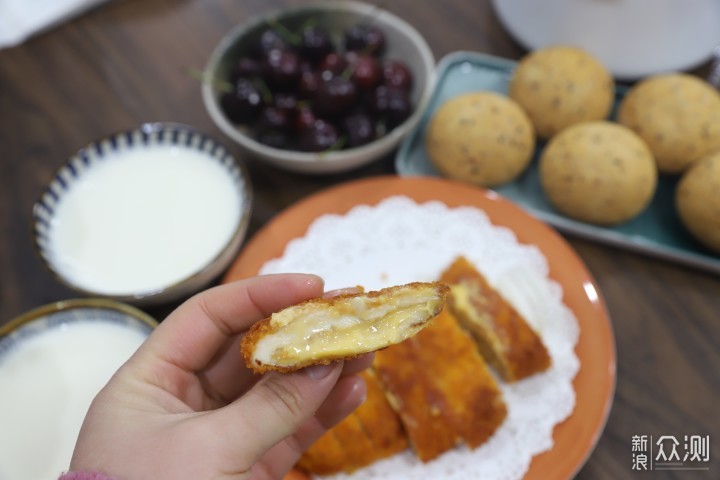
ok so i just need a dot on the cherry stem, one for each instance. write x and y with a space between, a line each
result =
284 32
264 90
339 143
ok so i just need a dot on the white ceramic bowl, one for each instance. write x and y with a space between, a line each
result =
145 217
53 361
402 42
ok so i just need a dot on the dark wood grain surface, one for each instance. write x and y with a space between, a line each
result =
124 63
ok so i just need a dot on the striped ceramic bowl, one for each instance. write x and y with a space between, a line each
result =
146 216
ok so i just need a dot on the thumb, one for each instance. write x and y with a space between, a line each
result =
275 408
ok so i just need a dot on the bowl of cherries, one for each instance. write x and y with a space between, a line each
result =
319 89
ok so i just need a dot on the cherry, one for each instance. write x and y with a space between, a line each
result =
392 104
286 102
268 41
304 119
375 41
283 67
309 84
359 128
272 118
332 65
315 44
366 72
246 67
368 39
396 74
335 96
243 104
321 136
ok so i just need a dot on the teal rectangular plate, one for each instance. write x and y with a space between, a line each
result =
657 231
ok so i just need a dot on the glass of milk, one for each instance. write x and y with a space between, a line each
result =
53 361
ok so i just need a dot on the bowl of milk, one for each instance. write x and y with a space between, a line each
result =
53 361
146 216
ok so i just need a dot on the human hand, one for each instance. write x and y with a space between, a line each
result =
185 405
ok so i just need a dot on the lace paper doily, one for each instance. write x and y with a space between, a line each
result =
400 241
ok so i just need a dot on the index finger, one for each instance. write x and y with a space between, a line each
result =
196 331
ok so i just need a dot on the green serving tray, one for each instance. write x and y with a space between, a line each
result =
657 231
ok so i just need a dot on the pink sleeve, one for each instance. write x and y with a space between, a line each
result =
84 476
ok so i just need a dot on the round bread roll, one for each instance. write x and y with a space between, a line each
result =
482 138
560 86
697 199
598 172
677 115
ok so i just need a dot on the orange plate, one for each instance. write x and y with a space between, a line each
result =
575 438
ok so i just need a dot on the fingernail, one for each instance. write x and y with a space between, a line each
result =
318 372
343 291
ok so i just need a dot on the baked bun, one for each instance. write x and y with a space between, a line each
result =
697 199
561 86
322 330
481 138
598 172
678 116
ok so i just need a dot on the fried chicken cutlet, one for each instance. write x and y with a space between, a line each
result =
441 388
504 338
372 432
322 330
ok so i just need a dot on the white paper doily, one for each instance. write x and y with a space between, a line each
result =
400 241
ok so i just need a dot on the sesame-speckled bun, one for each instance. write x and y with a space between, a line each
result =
482 138
678 116
697 199
560 86
598 172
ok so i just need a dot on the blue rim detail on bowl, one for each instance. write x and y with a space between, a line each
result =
60 314
148 134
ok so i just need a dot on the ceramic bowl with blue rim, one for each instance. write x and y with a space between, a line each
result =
403 42
146 216
53 361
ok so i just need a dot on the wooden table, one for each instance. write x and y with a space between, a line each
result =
124 63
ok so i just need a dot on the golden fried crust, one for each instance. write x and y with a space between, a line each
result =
423 407
326 456
359 450
380 422
372 432
471 390
338 306
503 336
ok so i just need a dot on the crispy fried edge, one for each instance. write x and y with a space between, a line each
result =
264 327
513 364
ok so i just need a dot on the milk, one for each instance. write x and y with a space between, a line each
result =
47 382
143 219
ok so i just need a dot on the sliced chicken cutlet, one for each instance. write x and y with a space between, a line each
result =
473 394
423 407
443 390
372 432
380 422
504 338
322 330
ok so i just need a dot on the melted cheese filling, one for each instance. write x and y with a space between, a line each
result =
349 327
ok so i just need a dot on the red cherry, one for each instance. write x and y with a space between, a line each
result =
367 72
396 74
